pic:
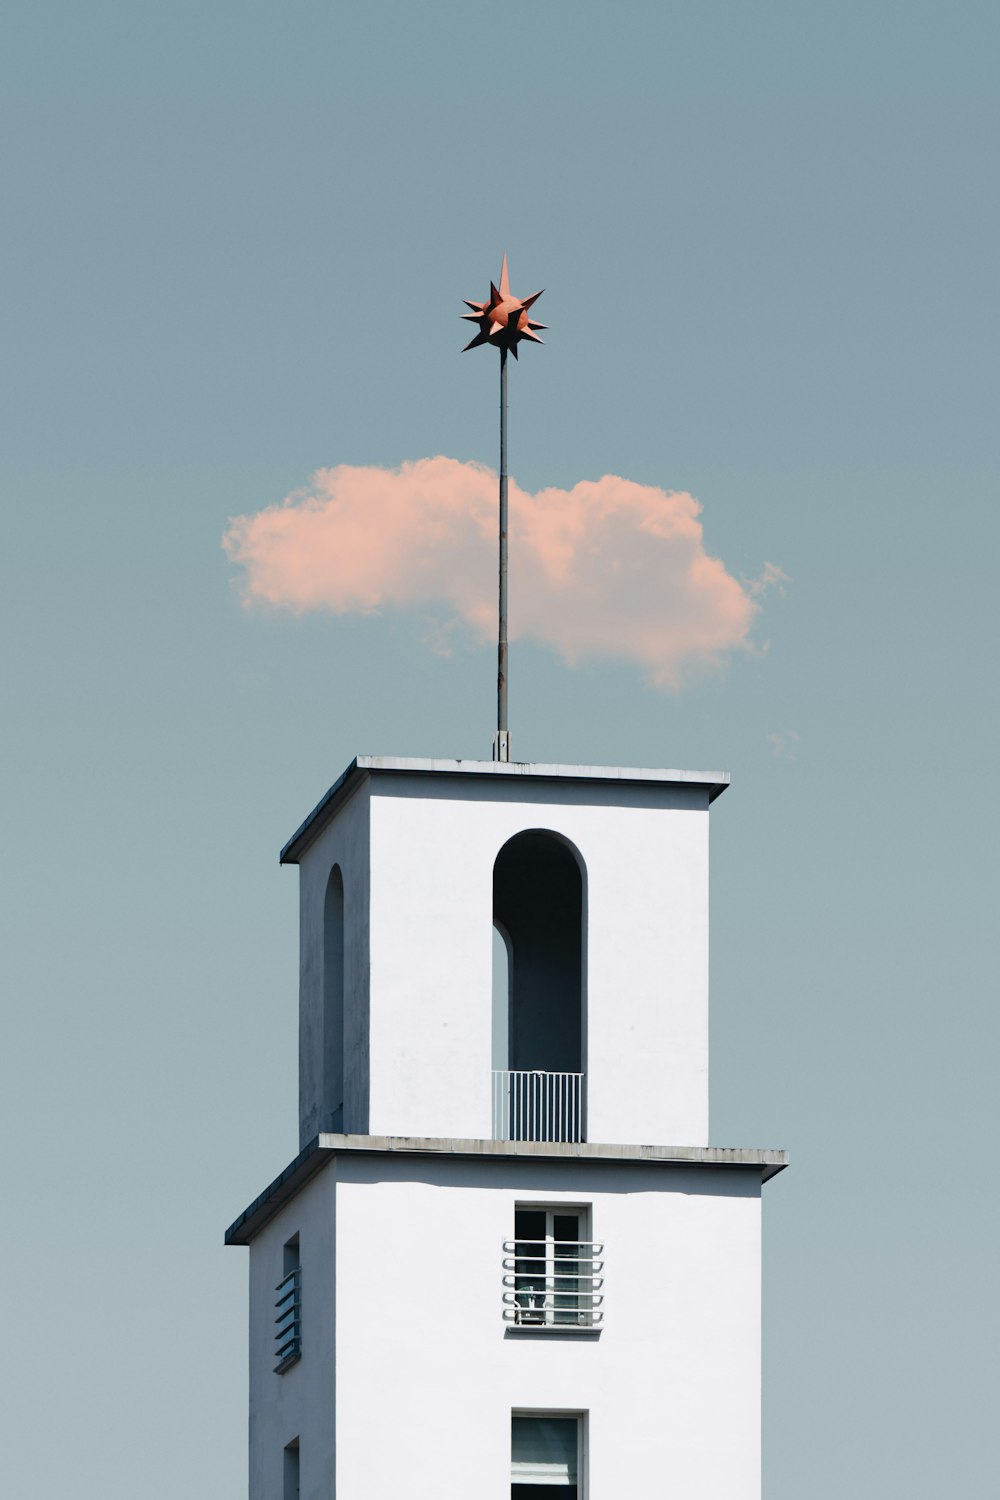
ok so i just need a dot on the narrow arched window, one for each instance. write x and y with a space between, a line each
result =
538 895
333 1002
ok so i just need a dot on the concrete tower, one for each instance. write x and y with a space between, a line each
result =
480 1277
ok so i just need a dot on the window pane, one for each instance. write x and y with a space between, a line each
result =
540 1492
529 1224
543 1450
530 1264
567 1285
565 1233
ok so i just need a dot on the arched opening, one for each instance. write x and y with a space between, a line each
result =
538 907
333 1003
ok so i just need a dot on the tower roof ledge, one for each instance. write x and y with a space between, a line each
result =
323 1148
714 782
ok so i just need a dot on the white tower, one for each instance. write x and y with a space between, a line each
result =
480 1277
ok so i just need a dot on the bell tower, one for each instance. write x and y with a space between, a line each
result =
506 1258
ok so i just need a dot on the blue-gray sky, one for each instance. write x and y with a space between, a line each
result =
235 241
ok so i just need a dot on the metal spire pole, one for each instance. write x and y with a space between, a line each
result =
503 322
501 744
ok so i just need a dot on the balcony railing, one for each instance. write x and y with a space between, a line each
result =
535 1106
553 1283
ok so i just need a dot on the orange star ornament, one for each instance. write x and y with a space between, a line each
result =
503 320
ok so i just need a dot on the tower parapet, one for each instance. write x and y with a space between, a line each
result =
595 879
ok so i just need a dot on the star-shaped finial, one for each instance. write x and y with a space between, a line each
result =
503 320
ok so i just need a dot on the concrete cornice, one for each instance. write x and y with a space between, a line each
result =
714 782
325 1148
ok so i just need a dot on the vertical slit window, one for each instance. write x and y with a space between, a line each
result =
290 1472
288 1310
333 1003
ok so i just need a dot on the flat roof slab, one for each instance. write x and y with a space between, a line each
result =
326 1147
714 782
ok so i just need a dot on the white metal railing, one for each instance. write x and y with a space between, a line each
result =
553 1283
529 1105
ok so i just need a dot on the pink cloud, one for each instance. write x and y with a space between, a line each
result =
607 569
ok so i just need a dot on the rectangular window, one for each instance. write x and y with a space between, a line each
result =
288 1306
290 1472
552 1270
546 1451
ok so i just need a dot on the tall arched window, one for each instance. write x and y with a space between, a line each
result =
333 1002
538 904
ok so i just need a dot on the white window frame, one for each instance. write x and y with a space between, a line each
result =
588 1314
582 1419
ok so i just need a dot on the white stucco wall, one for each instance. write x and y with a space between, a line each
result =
409 1375
434 841
417 855
301 1402
427 1377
